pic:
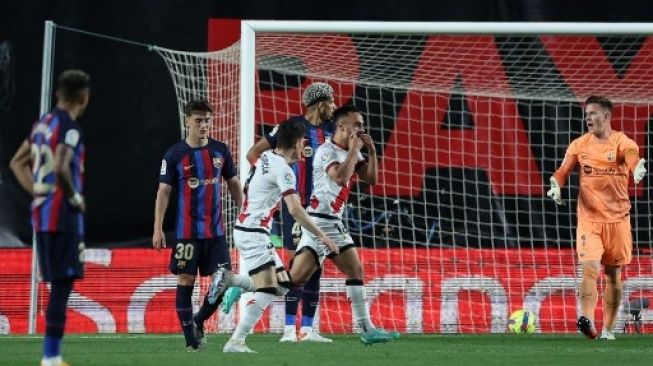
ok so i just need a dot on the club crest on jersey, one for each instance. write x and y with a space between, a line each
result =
193 182
326 157
308 151
611 156
217 163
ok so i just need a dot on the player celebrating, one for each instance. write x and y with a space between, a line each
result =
603 234
195 166
50 165
336 162
270 179
319 103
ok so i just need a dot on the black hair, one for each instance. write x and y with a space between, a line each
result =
604 102
197 106
72 83
288 132
344 111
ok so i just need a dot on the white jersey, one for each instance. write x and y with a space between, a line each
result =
328 197
270 179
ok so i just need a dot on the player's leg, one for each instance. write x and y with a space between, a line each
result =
213 256
291 234
611 299
618 252
588 298
59 256
264 278
310 297
589 247
310 303
349 263
261 263
183 263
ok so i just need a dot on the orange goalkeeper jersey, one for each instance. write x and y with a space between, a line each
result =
604 166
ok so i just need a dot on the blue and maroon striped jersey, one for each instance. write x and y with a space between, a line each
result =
195 173
51 211
315 136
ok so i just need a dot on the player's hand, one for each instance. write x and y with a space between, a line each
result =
354 142
640 171
158 239
368 143
330 244
77 201
554 192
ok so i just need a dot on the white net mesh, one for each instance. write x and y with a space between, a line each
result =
458 232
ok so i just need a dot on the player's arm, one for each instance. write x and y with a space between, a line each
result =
63 156
367 170
560 176
160 207
636 165
255 151
297 211
233 184
21 167
341 173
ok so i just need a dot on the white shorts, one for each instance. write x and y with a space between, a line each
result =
256 250
334 229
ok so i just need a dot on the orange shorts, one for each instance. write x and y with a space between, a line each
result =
612 242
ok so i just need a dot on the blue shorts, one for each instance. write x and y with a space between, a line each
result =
189 255
61 255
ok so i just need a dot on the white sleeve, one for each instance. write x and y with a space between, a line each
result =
325 158
286 180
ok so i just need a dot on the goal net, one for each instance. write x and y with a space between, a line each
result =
458 232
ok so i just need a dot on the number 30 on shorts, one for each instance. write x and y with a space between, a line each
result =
184 251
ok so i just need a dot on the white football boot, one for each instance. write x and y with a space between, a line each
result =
289 334
235 346
308 334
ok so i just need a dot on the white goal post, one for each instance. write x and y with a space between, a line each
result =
527 86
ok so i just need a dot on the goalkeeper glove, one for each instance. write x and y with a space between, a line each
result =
554 192
640 171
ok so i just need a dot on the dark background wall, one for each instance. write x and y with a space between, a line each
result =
132 117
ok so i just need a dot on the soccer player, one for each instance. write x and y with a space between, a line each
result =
603 236
319 103
195 167
270 179
50 165
334 166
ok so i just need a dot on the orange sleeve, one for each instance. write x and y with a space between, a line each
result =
630 151
571 158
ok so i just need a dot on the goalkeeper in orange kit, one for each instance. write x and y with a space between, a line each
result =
603 236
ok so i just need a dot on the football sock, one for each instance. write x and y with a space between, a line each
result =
356 295
589 294
611 300
292 301
185 313
207 309
311 299
253 312
55 317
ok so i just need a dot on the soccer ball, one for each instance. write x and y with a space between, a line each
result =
521 321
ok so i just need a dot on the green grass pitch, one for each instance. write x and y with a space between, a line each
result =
410 350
